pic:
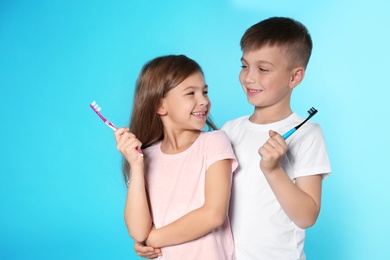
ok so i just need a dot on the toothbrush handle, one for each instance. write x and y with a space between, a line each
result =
111 125
139 151
287 135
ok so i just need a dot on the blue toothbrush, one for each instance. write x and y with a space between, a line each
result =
312 111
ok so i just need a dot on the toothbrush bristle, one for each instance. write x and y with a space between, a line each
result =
312 111
98 109
93 103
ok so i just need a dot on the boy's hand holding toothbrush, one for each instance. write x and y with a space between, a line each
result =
272 152
275 148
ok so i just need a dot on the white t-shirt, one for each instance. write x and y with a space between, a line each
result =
176 186
261 229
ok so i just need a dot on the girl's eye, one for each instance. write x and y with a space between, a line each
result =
191 93
263 70
243 67
205 92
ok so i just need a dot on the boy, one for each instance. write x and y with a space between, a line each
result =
271 205
276 190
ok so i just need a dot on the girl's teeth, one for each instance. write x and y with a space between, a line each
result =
198 114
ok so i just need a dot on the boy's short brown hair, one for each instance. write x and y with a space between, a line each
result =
289 34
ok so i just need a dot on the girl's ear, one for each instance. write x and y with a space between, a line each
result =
297 76
161 109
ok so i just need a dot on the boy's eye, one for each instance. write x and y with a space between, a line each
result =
263 70
243 67
205 92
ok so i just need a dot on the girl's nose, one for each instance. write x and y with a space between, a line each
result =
203 101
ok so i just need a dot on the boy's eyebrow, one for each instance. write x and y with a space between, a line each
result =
259 61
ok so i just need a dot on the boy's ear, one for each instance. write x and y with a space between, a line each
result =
297 76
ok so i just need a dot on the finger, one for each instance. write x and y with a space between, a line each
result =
146 251
131 144
262 151
267 151
277 136
120 131
126 146
276 140
140 247
122 139
273 149
272 133
149 255
125 139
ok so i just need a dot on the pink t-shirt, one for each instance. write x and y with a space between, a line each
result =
176 184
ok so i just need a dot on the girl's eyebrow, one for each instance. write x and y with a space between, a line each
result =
195 87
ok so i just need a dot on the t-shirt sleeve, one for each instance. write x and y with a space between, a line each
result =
219 148
310 153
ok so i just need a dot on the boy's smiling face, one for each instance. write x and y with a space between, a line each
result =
267 79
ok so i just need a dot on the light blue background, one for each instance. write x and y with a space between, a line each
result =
61 192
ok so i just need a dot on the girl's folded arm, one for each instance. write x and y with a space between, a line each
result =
137 213
203 220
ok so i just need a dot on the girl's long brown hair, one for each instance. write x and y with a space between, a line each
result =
156 78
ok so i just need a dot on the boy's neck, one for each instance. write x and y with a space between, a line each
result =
269 115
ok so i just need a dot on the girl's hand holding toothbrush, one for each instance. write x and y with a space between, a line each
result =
95 107
127 144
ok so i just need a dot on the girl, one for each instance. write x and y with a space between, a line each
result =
178 192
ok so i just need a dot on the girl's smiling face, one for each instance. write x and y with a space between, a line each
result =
187 105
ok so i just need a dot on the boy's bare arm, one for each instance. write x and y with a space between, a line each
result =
204 219
301 200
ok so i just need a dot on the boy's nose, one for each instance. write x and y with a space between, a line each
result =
249 78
